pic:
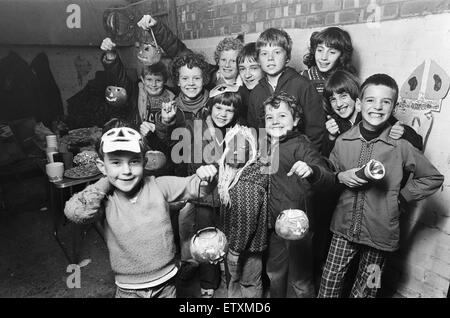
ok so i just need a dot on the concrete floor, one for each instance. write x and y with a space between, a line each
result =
32 264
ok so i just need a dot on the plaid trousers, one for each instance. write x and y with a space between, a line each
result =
368 277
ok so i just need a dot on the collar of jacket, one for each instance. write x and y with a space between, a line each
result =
286 75
355 133
290 135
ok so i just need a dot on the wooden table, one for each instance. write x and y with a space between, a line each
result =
57 198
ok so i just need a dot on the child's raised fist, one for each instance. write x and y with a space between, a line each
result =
332 127
107 45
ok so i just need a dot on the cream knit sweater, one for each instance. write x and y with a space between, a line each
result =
139 235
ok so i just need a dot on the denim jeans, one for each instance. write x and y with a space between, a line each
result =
245 271
165 290
191 219
290 267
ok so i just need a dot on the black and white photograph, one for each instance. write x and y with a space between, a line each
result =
241 151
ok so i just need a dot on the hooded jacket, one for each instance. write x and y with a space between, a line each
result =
313 118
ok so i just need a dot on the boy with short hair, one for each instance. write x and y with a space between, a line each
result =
250 72
341 92
138 230
366 219
301 171
274 48
152 94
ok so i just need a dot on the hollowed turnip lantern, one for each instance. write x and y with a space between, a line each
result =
292 224
208 245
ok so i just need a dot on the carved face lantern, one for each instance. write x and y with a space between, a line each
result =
148 50
115 95
292 224
208 245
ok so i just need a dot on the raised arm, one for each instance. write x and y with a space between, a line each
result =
114 68
181 189
87 206
165 38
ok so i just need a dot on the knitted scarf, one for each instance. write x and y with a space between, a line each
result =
192 105
318 78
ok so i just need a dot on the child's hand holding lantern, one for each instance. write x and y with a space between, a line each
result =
207 172
146 22
108 46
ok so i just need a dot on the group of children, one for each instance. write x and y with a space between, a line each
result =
314 131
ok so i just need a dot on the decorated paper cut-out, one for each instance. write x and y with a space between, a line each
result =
421 95
438 82
411 87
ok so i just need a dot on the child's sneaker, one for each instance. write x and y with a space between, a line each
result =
206 293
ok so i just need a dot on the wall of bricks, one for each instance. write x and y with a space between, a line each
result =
208 18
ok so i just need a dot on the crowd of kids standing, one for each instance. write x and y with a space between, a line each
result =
271 139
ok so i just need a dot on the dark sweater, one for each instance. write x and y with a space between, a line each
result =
292 192
313 118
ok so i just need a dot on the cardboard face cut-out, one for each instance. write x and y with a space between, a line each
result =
420 95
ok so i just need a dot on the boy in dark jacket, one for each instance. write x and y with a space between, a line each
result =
250 72
297 169
274 52
366 218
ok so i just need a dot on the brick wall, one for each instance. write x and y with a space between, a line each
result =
208 18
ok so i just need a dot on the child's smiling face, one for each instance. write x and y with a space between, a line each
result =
343 104
376 106
222 114
190 81
228 64
124 169
279 120
250 72
326 57
153 84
